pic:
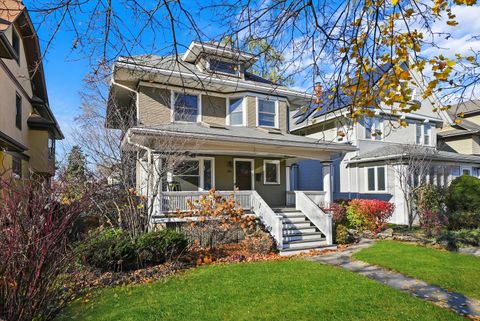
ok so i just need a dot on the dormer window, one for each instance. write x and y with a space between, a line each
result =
224 67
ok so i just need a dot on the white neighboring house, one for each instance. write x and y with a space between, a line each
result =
373 170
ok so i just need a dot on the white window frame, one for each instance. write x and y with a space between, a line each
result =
271 161
252 172
466 168
375 177
375 121
201 167
172 106
422 136
244 111
257 99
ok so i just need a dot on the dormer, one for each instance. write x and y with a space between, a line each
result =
218 59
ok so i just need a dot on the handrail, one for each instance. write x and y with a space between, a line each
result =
318 217
272 221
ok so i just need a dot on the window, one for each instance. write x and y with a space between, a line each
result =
224 67
373 128
271 172
267 113
235 112
427 129
17 166
467 171
18 111
193 175
423 134
51 148
376 179
185 107
16 44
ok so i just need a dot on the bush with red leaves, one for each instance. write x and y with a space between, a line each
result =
369 215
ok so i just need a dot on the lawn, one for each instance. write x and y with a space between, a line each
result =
275 290
456 272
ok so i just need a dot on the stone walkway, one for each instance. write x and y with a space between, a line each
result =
456 301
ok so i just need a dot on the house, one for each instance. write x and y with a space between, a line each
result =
389 158
28 129
462 132
233 127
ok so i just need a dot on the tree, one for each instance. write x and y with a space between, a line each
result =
76 165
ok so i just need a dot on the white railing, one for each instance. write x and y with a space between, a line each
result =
318 217
173 201
271 220
318 197
290 198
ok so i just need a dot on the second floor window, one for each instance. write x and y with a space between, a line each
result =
185 107
235 111
16 44
17 167
51 148
18 111
267 113
373 128
423 134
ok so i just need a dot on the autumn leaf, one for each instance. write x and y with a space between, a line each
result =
395 2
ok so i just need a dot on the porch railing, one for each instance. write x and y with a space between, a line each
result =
318 217
318 197
173 201
271 220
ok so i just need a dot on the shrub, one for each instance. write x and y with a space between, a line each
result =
259 243
370 215
456 239
464 194
338 211
464 220
429 203
341 235
158 247
114 250
432 222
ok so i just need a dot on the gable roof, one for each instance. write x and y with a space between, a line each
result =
466 107
14 12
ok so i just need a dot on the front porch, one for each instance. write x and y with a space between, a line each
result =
251 164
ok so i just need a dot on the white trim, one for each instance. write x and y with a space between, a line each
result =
375 178
271 161
251 160
244 110
172 105
374 127
468 168
277 116
201 167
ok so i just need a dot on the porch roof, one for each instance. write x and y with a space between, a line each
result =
201 137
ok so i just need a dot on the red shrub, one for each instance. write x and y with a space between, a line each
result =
371 215
432 222
338 211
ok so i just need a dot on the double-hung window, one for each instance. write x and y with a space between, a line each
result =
18 111
427 133
423 134
185 107
376 179
267 113
373 128
271 170
236 112
193 175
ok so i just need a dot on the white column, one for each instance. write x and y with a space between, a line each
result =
288 187
327 181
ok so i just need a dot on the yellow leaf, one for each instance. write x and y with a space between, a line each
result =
395 2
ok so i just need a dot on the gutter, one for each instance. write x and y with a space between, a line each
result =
433 157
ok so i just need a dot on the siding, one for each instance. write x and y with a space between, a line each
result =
154 106
213 109
251 111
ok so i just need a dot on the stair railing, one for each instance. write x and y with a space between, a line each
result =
272 221
315 214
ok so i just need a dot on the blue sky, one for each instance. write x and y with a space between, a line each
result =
65 70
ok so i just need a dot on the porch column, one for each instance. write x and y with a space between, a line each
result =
327 181
288 187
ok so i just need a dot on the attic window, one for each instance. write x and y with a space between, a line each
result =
224 67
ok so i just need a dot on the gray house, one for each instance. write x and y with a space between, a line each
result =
379 169
233 128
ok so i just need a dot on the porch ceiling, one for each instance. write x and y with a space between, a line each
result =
230 140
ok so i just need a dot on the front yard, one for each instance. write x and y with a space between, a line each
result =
275 290
455 272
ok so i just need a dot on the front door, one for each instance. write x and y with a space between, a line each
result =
243 174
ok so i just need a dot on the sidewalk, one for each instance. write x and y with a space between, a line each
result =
456 301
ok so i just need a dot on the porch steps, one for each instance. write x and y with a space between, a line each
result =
299 234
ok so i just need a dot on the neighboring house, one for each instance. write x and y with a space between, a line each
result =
233 124
462 133
374 171
28 129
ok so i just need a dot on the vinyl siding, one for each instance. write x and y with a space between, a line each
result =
214 109
154 106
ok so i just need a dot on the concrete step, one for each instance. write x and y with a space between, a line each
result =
306 230
299 219
286 210
297 226
305 244
292 215
293 251
302 237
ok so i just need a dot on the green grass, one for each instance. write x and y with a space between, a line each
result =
275 290
455 272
